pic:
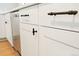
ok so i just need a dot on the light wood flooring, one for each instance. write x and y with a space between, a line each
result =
6 49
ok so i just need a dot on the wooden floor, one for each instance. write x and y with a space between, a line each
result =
6 49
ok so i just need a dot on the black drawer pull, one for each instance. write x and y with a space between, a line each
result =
24 15
71 12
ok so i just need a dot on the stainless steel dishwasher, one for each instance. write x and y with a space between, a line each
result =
15 31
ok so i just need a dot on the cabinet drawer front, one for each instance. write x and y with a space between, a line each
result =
62 21
65 37
29 15
49 47
22 14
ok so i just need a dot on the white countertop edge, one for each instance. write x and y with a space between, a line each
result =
20 7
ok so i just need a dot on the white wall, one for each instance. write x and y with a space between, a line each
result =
7 6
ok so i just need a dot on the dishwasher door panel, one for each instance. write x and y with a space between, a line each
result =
15 31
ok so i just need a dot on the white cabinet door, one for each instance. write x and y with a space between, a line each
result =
8 28
52 42
29 42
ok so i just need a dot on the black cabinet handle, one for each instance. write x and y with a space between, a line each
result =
71 12
34 31
24 15
5 22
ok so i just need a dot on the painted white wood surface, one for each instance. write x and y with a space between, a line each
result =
29 43
64 43
53 43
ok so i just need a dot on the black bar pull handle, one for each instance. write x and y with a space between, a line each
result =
25 15
71 12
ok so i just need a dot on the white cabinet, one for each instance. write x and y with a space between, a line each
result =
8 28
29 38
55 35
52 42
29 42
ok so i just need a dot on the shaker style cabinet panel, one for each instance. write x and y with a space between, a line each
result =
29 41
48 16
67 37
29 15
53 42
